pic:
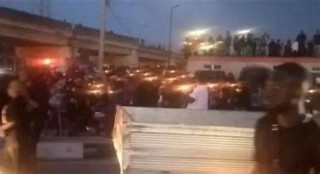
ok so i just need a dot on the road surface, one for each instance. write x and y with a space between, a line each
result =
78 167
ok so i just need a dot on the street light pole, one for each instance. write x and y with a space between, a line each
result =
102 36
170 32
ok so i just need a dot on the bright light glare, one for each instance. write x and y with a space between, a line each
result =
47 61
245 31
312 91
146 74
199 32
233 85
208 46
99 85
212 85
185 88
183 76
170 79
151 78
95 92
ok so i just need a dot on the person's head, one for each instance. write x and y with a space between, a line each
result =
201 80
23 76
15 89
301 32
289 42
285 87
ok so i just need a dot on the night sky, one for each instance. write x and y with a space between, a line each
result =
149 19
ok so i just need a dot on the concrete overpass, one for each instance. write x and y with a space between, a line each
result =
24 29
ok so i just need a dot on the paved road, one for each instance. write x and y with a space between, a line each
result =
99 158
79 167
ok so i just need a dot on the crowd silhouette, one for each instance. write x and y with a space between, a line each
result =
252 45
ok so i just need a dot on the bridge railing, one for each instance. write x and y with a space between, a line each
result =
25 17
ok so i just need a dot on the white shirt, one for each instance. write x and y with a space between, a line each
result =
201 96
295 46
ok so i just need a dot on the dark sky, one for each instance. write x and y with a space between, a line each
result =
149 19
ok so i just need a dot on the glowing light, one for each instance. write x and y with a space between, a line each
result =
212 85
243 32
312 91
238 90
208 46
185 88
47 61
199 32
99 85
151 78
232 85
146 74
183 76
170 79
131 74
107 71
95 91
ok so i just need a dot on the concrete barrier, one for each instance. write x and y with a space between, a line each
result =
176 141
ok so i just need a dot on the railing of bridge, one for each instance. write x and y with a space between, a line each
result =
82 30
78 30
25 17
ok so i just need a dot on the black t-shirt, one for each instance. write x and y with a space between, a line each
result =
291 150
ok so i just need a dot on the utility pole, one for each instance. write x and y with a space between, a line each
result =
170 33
102 35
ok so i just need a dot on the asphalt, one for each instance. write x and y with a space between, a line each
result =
99 158
79 167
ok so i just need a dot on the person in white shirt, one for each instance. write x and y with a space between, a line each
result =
198 99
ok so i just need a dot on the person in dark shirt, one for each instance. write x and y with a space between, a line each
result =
287 49
301 39
15 128
146 95
316 38
272 48
37 95
278 48
286 140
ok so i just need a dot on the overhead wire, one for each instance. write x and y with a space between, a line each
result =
121 22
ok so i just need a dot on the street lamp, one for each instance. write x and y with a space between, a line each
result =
170 32
102 36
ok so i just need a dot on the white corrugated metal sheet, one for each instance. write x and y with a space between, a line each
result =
150 140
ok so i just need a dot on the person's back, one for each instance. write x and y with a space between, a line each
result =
201 96
301 38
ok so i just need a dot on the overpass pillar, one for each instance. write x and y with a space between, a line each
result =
133 58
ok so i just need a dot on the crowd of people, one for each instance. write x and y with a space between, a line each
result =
81 103
250 45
